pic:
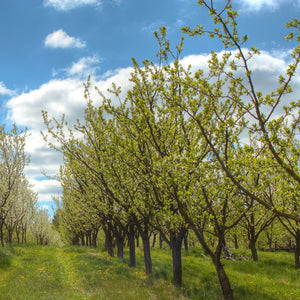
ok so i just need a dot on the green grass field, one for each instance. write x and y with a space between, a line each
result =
48 272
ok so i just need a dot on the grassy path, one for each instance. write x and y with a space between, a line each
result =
31 272
35 272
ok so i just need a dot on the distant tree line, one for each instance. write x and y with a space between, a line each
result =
20 215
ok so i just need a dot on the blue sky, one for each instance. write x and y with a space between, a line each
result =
49 47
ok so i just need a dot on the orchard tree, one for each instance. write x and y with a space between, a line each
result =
272 119
12 162
24 205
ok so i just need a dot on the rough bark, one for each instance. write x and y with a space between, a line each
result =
131 243
215 256
1 235
185 241
236 245
154 240
10 233
252 246
224 281
120 247
147 254
160 242
109 242
176 243
94 238
297 250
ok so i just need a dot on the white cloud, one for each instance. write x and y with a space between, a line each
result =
60 39
70 4
5 91
46 189
84 67
57 97
257 5
66 96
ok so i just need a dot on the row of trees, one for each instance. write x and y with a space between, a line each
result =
19 211
171 156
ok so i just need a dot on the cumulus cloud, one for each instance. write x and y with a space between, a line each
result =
65 96
60 39
85 67
257 5
64 5
46 189
57 97
5 91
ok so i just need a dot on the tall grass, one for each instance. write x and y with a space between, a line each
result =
48 272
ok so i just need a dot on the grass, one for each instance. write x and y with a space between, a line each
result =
48 272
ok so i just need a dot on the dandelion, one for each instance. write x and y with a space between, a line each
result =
2 279
77 280
22 277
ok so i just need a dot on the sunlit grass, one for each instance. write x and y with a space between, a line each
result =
35 272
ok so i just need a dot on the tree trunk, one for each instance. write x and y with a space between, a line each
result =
120 247
252 246
236 245
222 276
89 238
10 232
160 241
252 239
18 235
137 240
94 238
131 242
224 281
270 237
1 235
297 249
109 242
154 240
185 241
147 254
24 234
176 243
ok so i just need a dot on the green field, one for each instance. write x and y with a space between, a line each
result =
48 272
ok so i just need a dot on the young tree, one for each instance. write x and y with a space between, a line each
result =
24 202
12 162
273 119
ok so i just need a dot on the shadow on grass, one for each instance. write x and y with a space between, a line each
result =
243 292
5 258
264 266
